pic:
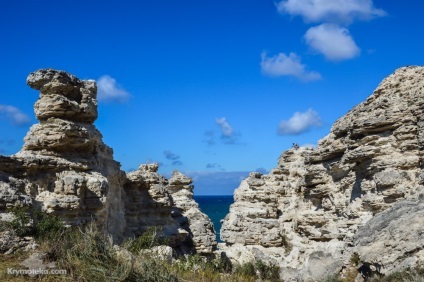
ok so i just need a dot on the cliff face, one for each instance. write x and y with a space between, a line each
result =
65 169
304 214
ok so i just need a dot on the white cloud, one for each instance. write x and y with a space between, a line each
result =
330 10
226 129
283 65
14 115
228 135
299 123
333 41
110 91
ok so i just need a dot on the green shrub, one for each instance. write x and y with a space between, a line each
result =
22 223
246 269
3 226
355 259
47 226
27 222
407 275
222 264
155 270
333 278
259 269
89 255
152 237
268 271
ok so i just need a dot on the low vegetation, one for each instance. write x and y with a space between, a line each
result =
87 254
407 275
32 222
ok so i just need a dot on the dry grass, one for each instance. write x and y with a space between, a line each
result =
89 255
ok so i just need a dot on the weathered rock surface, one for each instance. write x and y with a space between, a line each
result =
186 211
9 242
304 214
65 169
393 239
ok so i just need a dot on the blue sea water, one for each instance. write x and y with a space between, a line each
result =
216 207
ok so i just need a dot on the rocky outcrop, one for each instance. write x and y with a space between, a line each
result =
304 214
65 169
187 213
152 200
393 240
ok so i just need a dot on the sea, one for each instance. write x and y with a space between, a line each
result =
216 207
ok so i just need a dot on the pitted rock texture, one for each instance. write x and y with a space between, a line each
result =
65 169
393 239
152 200
186 211
313 203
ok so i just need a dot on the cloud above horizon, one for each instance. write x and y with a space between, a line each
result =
333 41
14 115
299 123
283 65
174 158
228 135
331 38
108 90
214 166
340 11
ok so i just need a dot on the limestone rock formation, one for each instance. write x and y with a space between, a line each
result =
65 169
304 214
393 239
152 200
186 211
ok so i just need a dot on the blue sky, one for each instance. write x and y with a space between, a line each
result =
212 88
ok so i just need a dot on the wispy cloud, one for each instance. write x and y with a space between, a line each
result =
299 123
283 65
215 166
174 158
210 137
226 129
212 165
14 115
333 41
228 135
341 11
110 91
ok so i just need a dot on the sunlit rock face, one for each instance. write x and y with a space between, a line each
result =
305 213
65 169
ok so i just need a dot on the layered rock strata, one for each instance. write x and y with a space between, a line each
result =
186 211
65 169
304 214
393 240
